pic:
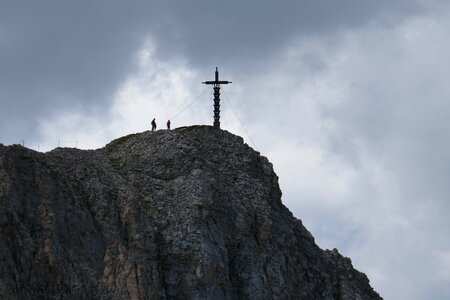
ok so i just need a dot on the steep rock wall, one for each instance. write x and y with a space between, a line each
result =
192 213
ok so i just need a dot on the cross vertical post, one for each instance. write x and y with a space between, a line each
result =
216 86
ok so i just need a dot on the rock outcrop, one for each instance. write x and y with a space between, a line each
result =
191 213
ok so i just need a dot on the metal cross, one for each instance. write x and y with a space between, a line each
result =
216 85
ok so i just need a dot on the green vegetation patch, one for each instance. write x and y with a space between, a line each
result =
188 129
121 140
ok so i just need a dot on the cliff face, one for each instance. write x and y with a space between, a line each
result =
192 213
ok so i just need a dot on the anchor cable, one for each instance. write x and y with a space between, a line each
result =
239 120
190 104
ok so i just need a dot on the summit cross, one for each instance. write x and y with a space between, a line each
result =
216 86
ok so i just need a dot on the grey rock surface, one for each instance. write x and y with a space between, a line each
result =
191 213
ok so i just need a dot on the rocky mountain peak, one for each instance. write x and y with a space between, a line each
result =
191 213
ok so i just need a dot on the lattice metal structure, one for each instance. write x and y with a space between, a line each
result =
216 86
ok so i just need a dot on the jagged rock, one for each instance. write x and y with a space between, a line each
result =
192 213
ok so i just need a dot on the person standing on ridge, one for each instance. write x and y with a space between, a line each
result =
168 124
153 124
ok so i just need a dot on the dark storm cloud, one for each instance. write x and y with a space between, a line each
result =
72 55
216 31
56 56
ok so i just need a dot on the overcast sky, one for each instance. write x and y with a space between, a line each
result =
349 99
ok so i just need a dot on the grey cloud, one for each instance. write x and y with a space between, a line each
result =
233 32
72 55
396 109
61 56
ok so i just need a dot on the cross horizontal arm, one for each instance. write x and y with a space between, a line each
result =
216 82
